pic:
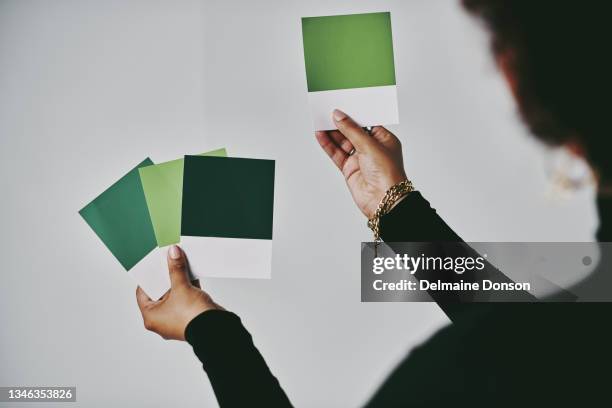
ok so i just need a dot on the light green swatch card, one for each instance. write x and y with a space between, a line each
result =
163 189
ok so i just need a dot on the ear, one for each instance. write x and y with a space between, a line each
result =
575 148
505 61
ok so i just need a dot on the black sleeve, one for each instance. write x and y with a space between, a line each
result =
237 371
414 220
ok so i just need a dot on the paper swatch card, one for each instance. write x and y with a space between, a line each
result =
350 66
120 218
163 190
227 213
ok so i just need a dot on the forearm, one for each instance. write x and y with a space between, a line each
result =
414 220
237 371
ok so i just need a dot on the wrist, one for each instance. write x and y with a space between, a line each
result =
392 197
399 200
207 320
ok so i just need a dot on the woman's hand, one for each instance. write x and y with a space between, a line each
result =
375 165
170 315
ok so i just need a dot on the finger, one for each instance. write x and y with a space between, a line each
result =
142 299
177 266
359 138
337 155
386 138
341 141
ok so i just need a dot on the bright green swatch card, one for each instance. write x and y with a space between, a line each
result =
120 218
349 66
348 51
163 191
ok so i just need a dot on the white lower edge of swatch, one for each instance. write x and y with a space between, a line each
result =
211 257
371 106
151 274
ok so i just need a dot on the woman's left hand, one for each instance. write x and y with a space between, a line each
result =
370 163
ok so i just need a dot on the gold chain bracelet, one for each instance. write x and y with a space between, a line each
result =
392 195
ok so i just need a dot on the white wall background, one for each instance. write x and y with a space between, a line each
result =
89 88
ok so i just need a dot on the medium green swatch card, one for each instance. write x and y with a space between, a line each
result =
120 218
348 51
228 209
163 190
350 66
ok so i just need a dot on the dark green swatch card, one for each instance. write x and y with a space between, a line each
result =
228 197
120 218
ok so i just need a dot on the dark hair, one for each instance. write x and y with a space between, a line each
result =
558 53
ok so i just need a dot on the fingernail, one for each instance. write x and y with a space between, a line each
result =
175 252
338 115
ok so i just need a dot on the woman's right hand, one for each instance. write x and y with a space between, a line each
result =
374 167
170 315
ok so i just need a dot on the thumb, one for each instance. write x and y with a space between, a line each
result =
358 137
177 266
386 138
142 299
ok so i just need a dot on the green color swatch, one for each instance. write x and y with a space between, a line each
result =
163 190
348 51
228 197
119 216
